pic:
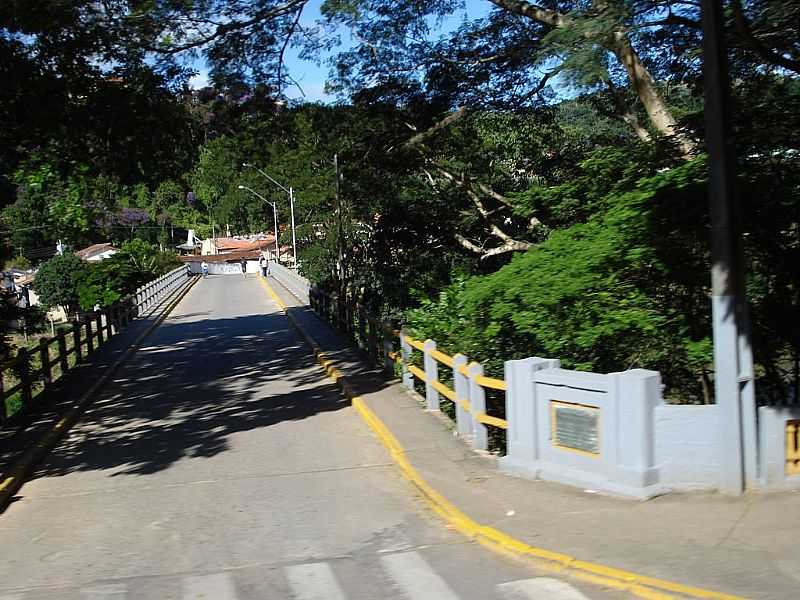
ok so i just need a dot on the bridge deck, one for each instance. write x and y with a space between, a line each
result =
220 464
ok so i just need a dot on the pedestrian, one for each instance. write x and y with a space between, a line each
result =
243 262
204 268
262 263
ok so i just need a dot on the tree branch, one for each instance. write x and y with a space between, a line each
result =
448 120
225 28
626 114
286 43
767 54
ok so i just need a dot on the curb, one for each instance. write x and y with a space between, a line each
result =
17 474
641 586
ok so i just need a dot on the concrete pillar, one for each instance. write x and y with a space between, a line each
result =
638 393
431 375
726 387
405 353
522 442
477 402
461 387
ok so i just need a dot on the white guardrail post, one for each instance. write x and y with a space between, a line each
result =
477 403
405 353
431 375
461 388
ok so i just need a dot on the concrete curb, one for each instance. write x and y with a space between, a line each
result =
19 471
641 586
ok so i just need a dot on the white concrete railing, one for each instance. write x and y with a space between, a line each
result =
608 432
146 296
291 280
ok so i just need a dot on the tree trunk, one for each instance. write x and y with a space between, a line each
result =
645 87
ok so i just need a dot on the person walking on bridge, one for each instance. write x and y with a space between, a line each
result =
243 262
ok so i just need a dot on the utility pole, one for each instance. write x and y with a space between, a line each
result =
340 236
733 359
294 239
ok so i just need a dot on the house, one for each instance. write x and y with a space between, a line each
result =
228 245
97 252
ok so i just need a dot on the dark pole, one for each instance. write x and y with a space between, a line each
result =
733 381
340 244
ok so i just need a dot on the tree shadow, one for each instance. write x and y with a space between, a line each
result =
192 385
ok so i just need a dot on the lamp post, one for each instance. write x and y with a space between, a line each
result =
290 192
274 216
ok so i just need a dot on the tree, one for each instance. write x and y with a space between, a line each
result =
57 281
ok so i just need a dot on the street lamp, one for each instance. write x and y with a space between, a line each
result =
289 191
274 216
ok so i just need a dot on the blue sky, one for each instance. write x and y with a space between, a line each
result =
312 76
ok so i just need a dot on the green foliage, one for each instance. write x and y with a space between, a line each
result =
107 281
599 295
57 281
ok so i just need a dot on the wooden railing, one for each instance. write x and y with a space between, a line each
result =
24 377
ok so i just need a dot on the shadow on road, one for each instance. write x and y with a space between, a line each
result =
192 385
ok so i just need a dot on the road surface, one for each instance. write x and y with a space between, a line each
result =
221 465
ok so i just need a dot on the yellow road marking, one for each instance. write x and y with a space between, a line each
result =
649 588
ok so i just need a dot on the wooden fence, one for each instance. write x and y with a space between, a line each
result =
33 370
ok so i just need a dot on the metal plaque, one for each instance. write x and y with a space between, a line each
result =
576 426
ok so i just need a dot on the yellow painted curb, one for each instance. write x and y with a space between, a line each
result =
21 468
649 588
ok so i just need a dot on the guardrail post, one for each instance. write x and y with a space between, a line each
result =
76 339
98 317
388 348
62 352
461 388
44 358
405 353
477 404
23 360
431 375
89 336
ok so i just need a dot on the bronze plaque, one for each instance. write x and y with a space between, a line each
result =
575 426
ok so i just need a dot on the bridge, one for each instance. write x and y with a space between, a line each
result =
219 461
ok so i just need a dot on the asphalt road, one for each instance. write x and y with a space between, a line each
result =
221 465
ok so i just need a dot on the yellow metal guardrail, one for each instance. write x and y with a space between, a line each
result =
449 393
793 448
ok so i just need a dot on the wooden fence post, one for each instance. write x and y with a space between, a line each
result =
62 352
109 323
44 358
98 317
76 340
89 336
23 360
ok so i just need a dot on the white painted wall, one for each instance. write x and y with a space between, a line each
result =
687 446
